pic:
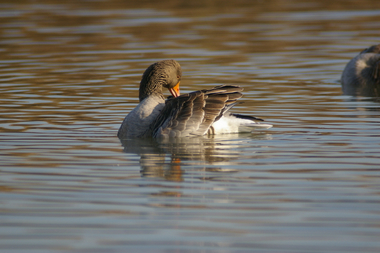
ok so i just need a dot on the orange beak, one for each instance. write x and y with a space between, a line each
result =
175 90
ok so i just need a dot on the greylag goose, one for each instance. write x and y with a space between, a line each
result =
361 75
196 113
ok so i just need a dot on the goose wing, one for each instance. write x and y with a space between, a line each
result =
194 113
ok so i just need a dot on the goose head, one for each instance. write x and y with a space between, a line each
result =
166 73
361 76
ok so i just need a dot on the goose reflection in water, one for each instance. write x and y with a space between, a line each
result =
164 158
361 76
177 125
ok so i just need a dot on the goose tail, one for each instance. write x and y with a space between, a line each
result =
238 123
248 123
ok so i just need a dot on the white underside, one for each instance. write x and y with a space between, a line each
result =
138 121
230 124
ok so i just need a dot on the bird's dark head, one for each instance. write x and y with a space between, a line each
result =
166 73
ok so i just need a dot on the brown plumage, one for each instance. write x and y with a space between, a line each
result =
196 113
361 76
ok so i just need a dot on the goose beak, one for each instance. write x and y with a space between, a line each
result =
175 90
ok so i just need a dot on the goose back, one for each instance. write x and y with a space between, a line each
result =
194 113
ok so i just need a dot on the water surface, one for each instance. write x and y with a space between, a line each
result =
69 73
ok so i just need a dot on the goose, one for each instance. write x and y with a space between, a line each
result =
361 76
194 114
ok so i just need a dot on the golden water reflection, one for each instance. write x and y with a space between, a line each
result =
164 158
69 73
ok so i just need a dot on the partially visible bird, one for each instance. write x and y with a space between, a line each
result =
196 113
361 76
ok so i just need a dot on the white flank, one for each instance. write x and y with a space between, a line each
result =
230 124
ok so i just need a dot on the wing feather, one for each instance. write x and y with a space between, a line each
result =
194 113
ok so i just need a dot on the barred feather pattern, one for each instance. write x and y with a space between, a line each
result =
194 113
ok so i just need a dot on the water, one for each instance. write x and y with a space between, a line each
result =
70 73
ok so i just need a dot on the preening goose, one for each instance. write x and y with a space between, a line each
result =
196 113
361 75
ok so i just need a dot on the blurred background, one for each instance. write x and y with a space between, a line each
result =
69 73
